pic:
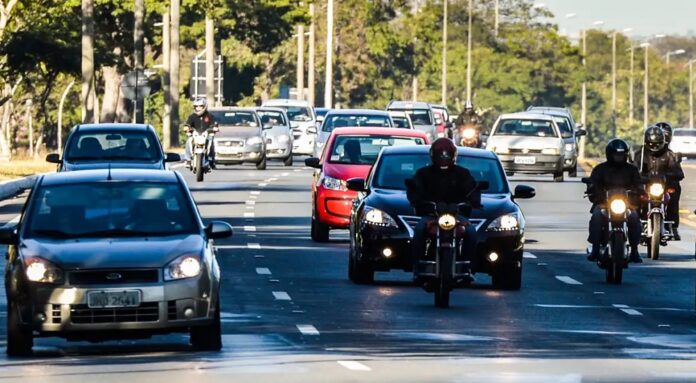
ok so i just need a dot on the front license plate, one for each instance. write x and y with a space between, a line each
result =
111 299
525 160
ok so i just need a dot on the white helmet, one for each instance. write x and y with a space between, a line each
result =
200 105
469 105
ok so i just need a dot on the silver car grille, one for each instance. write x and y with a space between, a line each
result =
230 143
410 222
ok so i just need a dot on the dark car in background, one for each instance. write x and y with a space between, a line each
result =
382 221
98 146
111 254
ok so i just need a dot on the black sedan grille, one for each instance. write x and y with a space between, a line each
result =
146 312
101 277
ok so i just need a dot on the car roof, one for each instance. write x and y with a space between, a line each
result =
550 109
379 131
350 112
527 116
270 108
285 102
114 126
233 108
102 175
425 149
408 105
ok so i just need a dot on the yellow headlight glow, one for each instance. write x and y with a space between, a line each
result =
447 222
469 133
618 206
656 190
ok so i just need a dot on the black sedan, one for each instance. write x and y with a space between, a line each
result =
382 220
99 146
110 254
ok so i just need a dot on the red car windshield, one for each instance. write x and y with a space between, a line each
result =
363 150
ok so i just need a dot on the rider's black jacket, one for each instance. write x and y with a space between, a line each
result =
200 123
613 176
453 185
663 163
468 118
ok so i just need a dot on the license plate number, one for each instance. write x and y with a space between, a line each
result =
222 149
525 160
112 299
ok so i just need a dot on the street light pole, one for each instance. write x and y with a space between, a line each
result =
444 51
630 87
497 17
328 85
300 62
677 52
583 112
645 86
468 54
691 94
613 83
312 51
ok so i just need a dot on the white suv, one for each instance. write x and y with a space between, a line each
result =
303 122
684 142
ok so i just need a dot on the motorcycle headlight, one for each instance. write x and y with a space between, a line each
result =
187 266
550 151
469 133
447 222
199 140
507 222
256 140
656 190
617 206
334 183
568 147
284 138
376 217
40 270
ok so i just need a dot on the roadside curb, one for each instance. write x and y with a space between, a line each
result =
12 187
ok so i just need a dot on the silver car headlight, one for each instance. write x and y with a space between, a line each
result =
550 151
283 138
568 147
256 140
507 222
40 270
334 183
186 266
376 217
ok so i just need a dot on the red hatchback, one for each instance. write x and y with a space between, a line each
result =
348 153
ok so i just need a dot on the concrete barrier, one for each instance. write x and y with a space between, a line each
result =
12 187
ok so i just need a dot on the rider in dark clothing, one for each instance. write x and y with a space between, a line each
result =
201 120
442 181
614 174
673 181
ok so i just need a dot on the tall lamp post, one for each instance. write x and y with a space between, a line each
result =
691 94
468 53
646 87
673 53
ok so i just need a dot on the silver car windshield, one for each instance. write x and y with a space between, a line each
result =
235 118
111 209
272 118
524 127
298 113
332 122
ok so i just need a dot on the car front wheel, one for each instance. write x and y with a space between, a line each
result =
319 231
20 339
208 338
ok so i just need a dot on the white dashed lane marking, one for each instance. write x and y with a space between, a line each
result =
285 174
281 296
529 255
263 271
249 228
263 184
250 202
567 280
307 329
255 246
249 215
255 192
628 310
353 365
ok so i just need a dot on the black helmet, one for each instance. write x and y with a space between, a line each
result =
617 151
667 128
443 153
654 139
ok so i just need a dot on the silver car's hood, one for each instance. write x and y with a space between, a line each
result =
237 132
92 253
521 142
277 131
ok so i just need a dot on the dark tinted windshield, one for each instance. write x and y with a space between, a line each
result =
532 128
419 116
272 118
354 120
235 118
111 209
394 169
363 150
401 122
685 133
114 144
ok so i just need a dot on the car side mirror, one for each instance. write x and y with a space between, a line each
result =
53 158
312 130
524 192
581 132
218 230
8 235
313 162
356 184
449 125
172 157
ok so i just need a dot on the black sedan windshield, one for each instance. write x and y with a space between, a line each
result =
114 145
111 209
394 169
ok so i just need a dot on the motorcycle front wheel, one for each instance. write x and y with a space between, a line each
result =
617 260
654 246
443 285
199 167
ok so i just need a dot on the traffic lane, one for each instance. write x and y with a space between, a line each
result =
11 208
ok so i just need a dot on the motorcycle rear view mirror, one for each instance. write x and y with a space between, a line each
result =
172 157
356 184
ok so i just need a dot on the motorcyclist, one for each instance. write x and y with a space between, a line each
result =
441 182
201 120
615 173
655 158
468 118
672 213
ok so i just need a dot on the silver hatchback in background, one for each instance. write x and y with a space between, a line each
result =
277 133
302 121
240 138
528 143
421 115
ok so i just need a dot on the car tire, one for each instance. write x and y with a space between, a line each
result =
558 177
319 231
208 338
20 339
508 278
261 165
358 272
288 161
573 172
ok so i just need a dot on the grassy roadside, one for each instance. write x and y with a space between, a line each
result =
23 168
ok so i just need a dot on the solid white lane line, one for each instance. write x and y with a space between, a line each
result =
567 280
263 184
307 329
281 296
249 215
353 365
250 202
618 306
297 170
255 192
249 228
528 255
255 246
272 179
263 271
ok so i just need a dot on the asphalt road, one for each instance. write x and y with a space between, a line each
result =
291 315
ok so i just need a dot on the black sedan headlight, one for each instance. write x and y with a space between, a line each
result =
40 270
505 223
378 218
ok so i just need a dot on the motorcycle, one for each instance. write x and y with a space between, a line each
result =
445 266
469 136
656 231
614 253
200 148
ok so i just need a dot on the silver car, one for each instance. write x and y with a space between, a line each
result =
241 137
528 143
277 133
350 118
109 254
302 121
570 131
421 115
401 119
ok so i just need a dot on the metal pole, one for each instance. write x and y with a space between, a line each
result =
630 87
328 85
497 15
139 44
166 53
175 12
209 60
87 63
59 134
645 90
300 62
444 52
583 113
667 58
468 54
312 48
691 94
218 97
613 83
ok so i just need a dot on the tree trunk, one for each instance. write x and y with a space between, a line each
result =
88 92
110 100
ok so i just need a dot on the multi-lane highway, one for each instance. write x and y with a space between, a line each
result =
291 315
